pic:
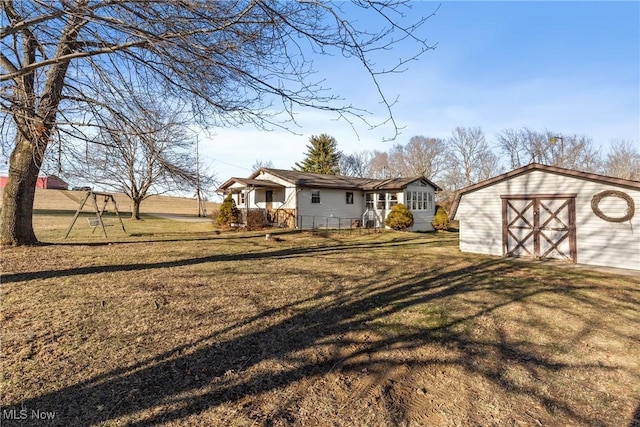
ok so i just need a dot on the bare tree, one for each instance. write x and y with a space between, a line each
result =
469 158
424 156
623 161
525 146
379 164
231 59
150 153
510 143
396 165
420 156
259 164
356 164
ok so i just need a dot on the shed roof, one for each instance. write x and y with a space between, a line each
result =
635 185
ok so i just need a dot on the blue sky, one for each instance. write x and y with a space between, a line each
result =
570 67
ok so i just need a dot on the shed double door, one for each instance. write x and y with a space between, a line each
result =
539 226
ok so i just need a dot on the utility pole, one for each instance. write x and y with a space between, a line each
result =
561 160
202 211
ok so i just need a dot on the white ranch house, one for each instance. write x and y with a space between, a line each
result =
308 200
544 211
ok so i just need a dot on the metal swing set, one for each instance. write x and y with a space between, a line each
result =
97 221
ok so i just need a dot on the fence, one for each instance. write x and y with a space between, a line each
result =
316 222
257 218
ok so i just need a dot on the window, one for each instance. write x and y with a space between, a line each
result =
412 200
418 200
393 199
349 198
315 196
381 205
369 200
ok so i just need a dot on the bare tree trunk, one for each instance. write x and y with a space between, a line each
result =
19 194
35 118
135 209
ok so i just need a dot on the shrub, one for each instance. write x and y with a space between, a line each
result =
399 218
256 219
441 219
228 213
214 214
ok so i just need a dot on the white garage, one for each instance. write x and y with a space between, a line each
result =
544 211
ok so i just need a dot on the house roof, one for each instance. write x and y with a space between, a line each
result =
635 185
317 180
249 183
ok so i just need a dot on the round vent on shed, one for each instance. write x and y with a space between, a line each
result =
613 205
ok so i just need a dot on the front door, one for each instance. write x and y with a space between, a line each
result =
268 198
539 226
268 205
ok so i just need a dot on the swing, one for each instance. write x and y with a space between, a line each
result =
97 221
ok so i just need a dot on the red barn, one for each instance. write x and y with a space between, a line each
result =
51 182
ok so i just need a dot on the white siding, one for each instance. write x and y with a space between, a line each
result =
421 218
599 242
332 211
235 196
283 198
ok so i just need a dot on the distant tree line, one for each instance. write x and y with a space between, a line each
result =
465 157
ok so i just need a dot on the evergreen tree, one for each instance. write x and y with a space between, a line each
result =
228 213
441 219
400 218
322 156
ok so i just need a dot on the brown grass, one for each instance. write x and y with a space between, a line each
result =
180 325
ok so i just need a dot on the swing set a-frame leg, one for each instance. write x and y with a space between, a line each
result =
75 217
115 208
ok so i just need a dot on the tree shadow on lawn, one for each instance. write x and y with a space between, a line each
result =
214 236
635 422
213 371
269 253
154 237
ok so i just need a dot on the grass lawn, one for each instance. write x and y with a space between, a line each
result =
177 324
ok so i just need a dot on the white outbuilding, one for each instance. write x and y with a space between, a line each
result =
544 211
